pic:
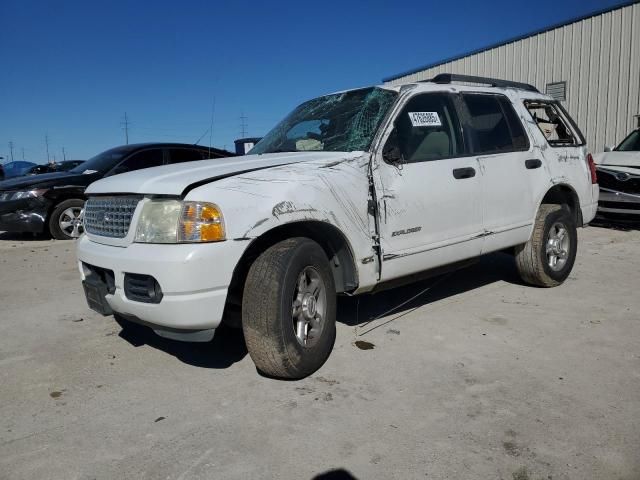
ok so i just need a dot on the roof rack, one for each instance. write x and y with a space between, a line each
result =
492 82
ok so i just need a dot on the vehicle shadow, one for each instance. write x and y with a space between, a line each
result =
226 348
624 225
23 237
357 311
337 474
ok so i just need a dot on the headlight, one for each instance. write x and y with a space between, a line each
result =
159 221
173 221
10 196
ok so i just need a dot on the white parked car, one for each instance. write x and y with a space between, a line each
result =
351 193
619 179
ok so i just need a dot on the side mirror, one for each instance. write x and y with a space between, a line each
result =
391 151
608 148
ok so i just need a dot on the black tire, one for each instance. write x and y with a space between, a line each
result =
531 258
54 219
267 309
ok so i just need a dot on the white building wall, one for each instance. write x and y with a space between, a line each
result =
598 57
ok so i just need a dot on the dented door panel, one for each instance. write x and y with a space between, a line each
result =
428 217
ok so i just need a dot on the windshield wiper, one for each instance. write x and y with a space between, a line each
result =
282 150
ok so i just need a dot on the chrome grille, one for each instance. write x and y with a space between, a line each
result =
109 216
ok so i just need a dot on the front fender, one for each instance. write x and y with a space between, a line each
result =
256 202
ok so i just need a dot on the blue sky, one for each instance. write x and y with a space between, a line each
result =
70 69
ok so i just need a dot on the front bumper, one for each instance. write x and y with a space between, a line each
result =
613 202
25 215
194 279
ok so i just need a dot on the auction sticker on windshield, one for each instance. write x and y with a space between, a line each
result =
425 119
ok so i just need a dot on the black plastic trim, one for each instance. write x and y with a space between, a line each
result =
447 78
142 288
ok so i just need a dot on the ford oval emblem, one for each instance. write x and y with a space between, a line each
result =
102 216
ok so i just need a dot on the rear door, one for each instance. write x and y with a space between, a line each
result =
429 190
509 167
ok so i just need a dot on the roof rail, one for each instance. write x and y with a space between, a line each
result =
492 82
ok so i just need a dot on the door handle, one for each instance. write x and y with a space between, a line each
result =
467 172
533 163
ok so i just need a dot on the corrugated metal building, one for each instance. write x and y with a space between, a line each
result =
591 64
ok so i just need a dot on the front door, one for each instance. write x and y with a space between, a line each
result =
428 191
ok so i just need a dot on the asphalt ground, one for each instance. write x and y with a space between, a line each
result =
477 377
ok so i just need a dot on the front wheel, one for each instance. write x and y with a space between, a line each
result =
65 221
547 258
289 309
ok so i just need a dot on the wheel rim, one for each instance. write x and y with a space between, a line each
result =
558 246
309 307
70 221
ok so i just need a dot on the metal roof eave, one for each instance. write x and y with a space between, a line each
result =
511 40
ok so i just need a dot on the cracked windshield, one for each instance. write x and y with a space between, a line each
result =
342 122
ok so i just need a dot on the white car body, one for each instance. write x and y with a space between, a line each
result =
619 175
396 221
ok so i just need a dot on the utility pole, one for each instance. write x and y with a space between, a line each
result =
125 127
243 125
46 141
64 155
213 111
11 148
23 154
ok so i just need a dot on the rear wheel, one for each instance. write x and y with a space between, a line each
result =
547 258
289 308
65 221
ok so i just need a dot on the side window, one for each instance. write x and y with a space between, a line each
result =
144 159
551 123
427 129
494 125
179 155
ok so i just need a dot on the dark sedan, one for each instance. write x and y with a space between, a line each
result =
52 202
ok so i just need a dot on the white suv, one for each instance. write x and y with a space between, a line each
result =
351 193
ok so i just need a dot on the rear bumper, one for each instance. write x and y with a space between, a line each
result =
194 279
613 202
589 209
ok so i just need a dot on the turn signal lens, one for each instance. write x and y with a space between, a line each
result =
201 222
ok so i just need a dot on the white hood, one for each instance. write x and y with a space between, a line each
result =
174 179
618 159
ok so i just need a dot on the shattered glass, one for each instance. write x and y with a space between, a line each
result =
342 122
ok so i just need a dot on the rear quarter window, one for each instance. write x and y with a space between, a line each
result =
554 123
